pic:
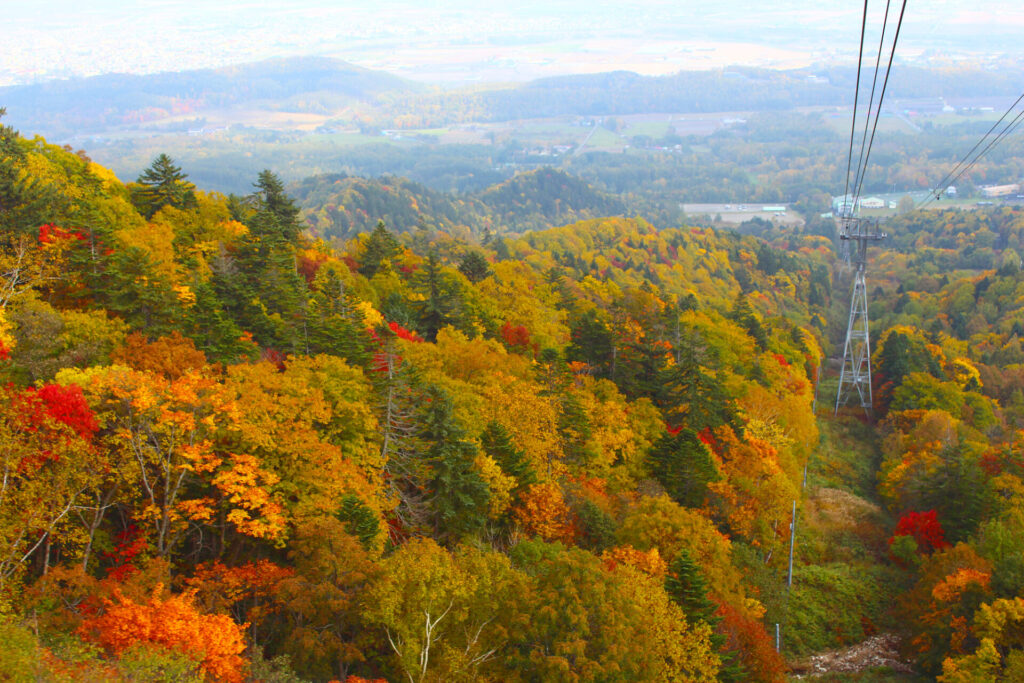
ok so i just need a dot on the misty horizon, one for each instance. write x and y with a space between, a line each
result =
457 43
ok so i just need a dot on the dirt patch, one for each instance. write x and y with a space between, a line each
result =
875 652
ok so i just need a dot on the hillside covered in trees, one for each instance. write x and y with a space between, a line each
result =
233 451
341 207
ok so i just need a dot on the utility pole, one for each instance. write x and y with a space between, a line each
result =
792 540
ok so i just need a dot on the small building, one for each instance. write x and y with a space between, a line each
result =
1000 190
951 191
872 203
844 205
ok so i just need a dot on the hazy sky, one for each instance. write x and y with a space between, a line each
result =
459 40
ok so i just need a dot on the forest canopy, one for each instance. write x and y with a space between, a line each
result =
235 450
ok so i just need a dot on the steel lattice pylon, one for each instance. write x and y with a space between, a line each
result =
855 375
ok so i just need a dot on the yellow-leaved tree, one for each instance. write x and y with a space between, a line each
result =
162 434
446 616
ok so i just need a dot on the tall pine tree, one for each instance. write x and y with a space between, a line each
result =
163 184
276 217
458 494
686 586
683 465
381 247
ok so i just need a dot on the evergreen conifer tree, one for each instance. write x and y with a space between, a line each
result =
213 331
683 465
276 217
474 266
686 586
381 246
745 317
689 393
458 494
497 443
592 342
360 521
25 202
163 184
334 325
438 306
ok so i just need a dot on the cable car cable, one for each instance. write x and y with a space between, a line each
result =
943 184
871 101
1010 127
856 94
881 97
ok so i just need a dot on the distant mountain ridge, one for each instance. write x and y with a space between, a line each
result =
58 109
346 96
735 88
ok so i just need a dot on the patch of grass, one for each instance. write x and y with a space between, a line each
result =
654 129
847 457
603 137
838 526
815 622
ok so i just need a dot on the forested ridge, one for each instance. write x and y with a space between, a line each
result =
376 99
341 206
233 451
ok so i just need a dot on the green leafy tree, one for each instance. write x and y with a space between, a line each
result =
957 488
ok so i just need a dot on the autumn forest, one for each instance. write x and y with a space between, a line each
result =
235 446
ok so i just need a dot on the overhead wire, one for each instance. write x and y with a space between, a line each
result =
871 102
958 170
950 178
856 94
1010 127
881 98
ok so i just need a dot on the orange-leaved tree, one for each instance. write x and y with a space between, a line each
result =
755 493
542 512
175 623
953 583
